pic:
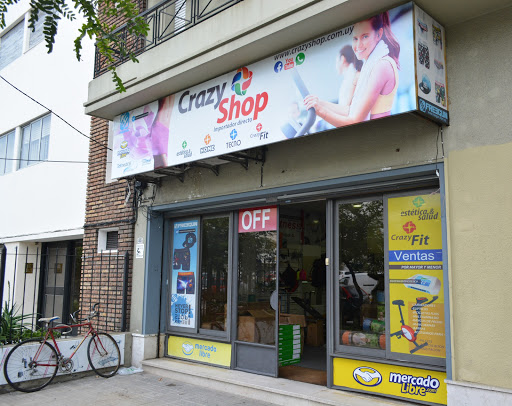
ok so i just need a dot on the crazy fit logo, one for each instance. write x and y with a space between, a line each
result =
261 135
209 148
232 108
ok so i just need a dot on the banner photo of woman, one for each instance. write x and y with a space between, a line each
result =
363 72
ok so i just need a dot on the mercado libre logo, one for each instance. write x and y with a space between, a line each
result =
409 227
367 376
241 81
187 348
418 202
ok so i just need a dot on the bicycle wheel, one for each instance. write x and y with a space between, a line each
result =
104 355
31 365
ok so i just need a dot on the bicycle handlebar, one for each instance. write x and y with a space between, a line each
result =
95 312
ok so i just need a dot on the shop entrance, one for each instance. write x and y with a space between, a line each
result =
302 353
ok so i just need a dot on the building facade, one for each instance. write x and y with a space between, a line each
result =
43 165
357 251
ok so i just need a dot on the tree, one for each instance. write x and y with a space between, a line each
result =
96 14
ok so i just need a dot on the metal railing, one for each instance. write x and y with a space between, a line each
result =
50 282
165 20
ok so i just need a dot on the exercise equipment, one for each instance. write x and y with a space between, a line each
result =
407 331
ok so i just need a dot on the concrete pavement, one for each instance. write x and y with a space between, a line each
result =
130 390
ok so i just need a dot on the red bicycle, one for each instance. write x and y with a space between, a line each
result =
33 363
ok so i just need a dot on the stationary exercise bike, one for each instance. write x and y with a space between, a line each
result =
407 331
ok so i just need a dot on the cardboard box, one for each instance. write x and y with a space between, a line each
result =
315 336
299 319
257 327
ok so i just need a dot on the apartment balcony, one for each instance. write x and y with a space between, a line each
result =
191 41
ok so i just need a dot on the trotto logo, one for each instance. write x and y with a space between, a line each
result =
187 348
367 376
415 385
241 81
409 227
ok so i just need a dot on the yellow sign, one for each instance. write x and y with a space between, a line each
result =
417 320
410 383
199 350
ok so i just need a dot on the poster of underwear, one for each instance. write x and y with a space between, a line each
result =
430 49
184 273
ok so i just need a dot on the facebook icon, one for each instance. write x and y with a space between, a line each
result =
278 67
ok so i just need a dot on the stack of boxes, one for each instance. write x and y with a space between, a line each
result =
290 344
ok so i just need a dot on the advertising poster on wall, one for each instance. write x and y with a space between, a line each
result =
430 44
416 284
184 274
362 72
417 384
199 350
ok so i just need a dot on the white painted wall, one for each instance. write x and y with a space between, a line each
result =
46 201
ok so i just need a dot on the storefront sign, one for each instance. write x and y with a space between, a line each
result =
417 320
430 43
199 350
184 274
410 383
322 84
259 219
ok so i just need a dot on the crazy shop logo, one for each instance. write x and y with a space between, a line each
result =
415 385
231 108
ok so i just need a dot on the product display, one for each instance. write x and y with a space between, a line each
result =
425 283
437 36
425 85
440 93
360 339
186 283
406 330
424 55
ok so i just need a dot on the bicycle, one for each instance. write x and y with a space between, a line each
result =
32 364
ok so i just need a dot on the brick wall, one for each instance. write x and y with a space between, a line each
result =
106 207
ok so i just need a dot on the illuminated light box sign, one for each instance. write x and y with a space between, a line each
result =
390 64
410 383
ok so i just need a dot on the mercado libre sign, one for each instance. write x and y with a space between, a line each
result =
316 86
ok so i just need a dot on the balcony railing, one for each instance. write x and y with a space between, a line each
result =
165 20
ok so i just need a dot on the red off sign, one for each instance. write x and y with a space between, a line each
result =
259 219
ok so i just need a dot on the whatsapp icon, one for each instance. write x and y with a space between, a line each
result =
300 58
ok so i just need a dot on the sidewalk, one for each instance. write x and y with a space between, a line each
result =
130 390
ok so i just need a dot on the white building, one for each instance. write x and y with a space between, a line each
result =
43 194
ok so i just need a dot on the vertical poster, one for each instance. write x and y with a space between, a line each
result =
416 285
184 274
430 44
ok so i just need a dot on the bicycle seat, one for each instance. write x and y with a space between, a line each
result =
49 319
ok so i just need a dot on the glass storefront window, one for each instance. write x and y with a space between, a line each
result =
214 273
361 275
256 283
